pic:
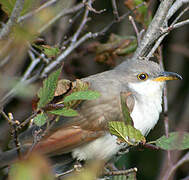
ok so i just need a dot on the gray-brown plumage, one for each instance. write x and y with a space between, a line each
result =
86 136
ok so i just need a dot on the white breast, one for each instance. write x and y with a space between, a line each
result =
148 104
145 115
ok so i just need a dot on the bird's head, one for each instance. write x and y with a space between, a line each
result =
146 77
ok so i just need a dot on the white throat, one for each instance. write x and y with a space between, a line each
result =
148 100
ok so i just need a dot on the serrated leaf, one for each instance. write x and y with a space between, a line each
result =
40 119
82 95
125 110
126 133
175 141
46 93
64 112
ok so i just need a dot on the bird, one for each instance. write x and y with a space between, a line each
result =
86 136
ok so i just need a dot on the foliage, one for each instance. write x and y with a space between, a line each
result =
175 141
72 96
46 93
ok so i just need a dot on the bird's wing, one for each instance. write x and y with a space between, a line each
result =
91 123
84 130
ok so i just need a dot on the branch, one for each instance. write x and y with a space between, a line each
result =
30 14
64 12
66 53
81 26
153 32
180 24
171 170
13 19
166 31
26 75
175 7
165 105
115 11
87 36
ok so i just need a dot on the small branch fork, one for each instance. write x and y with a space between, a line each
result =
158 28
14 132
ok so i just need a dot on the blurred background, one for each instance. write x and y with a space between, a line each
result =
93 56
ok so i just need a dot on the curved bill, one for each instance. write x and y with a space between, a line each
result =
166 76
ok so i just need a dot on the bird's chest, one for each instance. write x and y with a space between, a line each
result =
146 112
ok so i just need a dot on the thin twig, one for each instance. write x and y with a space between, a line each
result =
13 19
64 12
82 24
171 170
135 28
66 53
153 32
120 172
177 5
41 55
179 16
34 12
26 75
165 106
5 60
180 24
165 32
25 122
90 8
153 49
64 173
13 125
87 36
115 11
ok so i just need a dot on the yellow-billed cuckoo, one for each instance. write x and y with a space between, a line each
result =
86 136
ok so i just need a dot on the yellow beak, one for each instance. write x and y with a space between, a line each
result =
166 76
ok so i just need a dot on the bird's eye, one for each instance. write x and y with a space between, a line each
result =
142 76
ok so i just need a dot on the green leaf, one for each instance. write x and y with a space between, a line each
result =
40 119
64 112
51 51
46 93
126 133
125 110
175 141
82 95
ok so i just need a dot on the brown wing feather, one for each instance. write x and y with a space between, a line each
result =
63 140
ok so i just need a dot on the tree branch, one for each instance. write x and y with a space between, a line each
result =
154 30
175 7
30 14
81 26
171 170
64 12
13 19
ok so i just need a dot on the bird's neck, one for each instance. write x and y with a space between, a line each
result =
148 104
